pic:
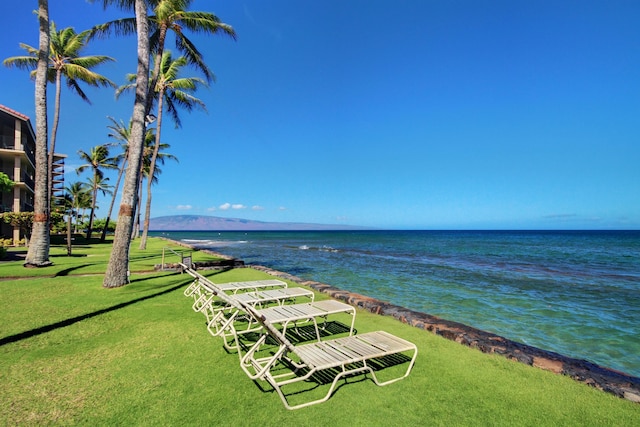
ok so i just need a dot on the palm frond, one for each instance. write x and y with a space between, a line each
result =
77 72
118 27
206 22
21 62
193 56
75 87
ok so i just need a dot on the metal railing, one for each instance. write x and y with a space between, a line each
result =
185 260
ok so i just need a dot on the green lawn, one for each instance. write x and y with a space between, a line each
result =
72 352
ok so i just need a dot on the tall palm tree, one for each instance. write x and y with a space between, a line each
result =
144 172
38 253
97 160
65 60
73 199
175 92
80 195
155 153
66 205
121 134
101 184
118 267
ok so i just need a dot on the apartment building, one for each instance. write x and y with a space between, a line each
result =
17 160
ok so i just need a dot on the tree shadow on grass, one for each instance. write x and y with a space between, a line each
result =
68 322
66 271
68 256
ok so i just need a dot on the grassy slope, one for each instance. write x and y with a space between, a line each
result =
139 355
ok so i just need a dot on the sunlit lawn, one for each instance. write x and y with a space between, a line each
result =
72 352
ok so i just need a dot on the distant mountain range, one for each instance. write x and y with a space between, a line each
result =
214 223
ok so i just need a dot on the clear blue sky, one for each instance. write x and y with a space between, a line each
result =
391 114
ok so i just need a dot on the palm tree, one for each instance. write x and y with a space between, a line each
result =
144 172
121 134
65 48
175 91
66 204
118 267
155 153
38 253
74 197
97 159
80 195
101 185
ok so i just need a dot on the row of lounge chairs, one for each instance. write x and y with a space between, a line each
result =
292 344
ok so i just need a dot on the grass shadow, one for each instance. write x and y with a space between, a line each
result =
66 271
68 256
68 322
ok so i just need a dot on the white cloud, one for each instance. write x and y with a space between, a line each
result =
212 208
184 207
282 208
257 208
227 206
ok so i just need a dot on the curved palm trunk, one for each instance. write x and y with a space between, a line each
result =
118 267
136 225
152 170
54 132
38 254
156 70
93 206
113 200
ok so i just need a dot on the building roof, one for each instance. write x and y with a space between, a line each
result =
14 113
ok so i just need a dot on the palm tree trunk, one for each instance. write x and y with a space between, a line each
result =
136 226
93 205
54 132
152 170
70 214
38 254
113 200
118 267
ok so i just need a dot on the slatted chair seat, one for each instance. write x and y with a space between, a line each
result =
292 314
278 296
352 349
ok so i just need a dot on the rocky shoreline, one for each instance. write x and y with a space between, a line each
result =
605 379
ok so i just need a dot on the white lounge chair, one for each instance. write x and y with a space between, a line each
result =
203 292
227 317
334 359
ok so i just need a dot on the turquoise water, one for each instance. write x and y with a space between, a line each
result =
573 292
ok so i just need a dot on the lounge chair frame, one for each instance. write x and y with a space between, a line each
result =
222 322
338 357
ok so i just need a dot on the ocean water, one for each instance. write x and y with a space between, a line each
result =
573 292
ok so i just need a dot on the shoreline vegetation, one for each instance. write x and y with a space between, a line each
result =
609 380
74 352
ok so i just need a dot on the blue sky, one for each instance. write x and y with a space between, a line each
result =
390 114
